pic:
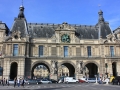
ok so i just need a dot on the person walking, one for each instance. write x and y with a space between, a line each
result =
23 82
15 81
18 82
3 81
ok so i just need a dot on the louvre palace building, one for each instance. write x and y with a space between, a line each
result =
86 50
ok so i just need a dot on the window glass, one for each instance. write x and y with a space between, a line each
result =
15 50
112 51
65 51
89 50
40 50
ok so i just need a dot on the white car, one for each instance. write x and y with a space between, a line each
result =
11 81
45 81
92 80
70 80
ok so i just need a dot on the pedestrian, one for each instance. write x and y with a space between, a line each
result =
18 82
3 81
23 82
15 81
6 82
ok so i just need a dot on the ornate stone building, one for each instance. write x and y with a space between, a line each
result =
85 50
41 72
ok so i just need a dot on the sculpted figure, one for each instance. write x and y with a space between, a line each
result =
54 67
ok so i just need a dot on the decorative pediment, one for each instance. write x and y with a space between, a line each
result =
65 26
110 38
16 34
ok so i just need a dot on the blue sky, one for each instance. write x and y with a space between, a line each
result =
83 12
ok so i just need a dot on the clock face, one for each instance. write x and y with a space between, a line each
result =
65 38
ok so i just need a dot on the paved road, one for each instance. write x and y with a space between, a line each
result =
85 86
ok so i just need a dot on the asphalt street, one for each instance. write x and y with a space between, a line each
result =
79 86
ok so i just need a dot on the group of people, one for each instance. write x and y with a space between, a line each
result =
5 82
19 82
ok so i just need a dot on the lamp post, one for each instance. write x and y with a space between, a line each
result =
106 66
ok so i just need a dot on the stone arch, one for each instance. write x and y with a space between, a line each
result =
13 70
91 62
49 66
92 68
70 65
40 62
13 62
114 68
70 62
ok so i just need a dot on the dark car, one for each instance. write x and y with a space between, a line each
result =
53 81
32 81
116 80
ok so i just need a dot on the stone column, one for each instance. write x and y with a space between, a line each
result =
6 69
21 68
118 68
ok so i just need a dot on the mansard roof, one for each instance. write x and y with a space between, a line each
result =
21 25
3 26
35 30
41 30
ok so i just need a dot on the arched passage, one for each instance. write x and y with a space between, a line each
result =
114 69
13 70
92 70
70 67
39 64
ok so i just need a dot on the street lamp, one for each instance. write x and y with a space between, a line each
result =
106 66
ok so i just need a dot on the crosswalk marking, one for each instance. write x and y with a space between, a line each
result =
56 86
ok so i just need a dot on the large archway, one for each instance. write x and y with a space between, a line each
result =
70 67
42 68
114 69
92 70
13 70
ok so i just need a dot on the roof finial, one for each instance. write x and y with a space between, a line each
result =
21 13
22 2
101 19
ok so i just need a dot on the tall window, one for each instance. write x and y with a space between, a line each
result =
65 51
89 50
15 50
40 51
112 51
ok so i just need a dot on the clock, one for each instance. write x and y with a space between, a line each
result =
65 38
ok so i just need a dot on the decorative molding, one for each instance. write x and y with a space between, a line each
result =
65 26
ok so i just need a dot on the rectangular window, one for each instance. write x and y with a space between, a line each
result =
65 51
89 51
15 50
40 51
112 51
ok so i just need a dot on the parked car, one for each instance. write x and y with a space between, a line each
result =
32 81
11 81
45 81
116 80
70 80
53 81
82 80
92 80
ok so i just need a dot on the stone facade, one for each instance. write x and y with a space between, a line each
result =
84 50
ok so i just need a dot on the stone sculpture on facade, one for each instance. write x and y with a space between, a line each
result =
54 67
79 67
